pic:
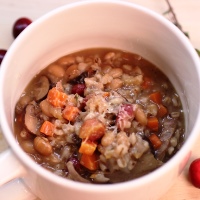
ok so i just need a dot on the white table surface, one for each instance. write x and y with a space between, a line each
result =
188 14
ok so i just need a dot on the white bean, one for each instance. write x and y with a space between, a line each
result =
66 60
72 72
56 70
141 117
116 72
109 56
106 69
82 67
116 83
42 145
106 79
127 68
173 142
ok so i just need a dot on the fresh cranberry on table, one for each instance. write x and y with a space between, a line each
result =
194 172
2 54
20 25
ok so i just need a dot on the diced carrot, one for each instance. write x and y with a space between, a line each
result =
47 128
153 123
162 110
70 112
90 162
155 141
106 94
147 83
56 97
87 147
156 97
92 129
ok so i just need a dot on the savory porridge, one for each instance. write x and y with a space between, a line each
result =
100 116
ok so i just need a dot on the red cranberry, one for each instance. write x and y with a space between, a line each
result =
194 172
20 25
2 54
78 89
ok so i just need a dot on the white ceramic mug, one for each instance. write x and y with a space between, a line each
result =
87 24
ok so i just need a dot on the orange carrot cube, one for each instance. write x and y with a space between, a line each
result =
155 141
162 110
47 128
153 123
92 129
56 97
156 97
90 162
70 113
87 147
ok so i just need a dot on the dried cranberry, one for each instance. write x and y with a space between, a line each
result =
2 54
78 89
20 25
194 172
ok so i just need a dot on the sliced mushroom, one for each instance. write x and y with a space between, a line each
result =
168 130
31 121
42 88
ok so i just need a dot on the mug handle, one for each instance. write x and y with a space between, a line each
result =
11 186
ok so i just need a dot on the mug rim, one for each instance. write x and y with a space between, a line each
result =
138 182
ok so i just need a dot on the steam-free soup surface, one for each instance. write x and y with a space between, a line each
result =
100 116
